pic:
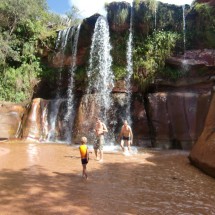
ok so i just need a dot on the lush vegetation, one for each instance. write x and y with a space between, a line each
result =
151 45
117 13
26 30
150 56
201 26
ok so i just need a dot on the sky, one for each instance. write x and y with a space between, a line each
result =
90 7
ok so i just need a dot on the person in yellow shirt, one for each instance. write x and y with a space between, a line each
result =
84 156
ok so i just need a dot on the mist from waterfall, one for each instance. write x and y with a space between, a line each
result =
100 75
129 69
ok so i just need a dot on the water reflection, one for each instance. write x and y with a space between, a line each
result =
32 152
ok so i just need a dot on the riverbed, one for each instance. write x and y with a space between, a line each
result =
43 179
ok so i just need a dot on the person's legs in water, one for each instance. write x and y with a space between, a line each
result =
96 153
96 147
122 145
129 145
101 143
101 155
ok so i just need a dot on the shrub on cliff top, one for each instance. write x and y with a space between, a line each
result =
201 26
150 56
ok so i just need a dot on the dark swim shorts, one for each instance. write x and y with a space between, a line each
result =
126 138
84 161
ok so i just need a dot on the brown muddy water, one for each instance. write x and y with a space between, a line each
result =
43 179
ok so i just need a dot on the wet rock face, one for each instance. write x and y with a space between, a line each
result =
140 126
46 121
87 113
202 153
178 117
169 120
206 56
11 116
33 126
38 125
194 59
172 117
86 118
198 65
84 42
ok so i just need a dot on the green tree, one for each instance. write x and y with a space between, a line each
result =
73 16
17 11
26 29
23 24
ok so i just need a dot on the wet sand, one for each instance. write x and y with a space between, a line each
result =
43 179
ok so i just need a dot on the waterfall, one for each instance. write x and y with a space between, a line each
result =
129 69
184 28
71 73
59 36
185 66
69 116
54 105
53 109
61 43
44 121
155 16
100 75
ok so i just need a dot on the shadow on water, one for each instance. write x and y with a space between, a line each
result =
162 183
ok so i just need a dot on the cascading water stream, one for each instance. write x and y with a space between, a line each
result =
100 75
63 43
129 69
185 65
155 16
184 28
59 36
69 116
155 21
53 109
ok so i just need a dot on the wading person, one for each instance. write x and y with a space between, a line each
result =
126 136
100 129
84 156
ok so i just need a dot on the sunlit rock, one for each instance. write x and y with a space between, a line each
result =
202 153
11 120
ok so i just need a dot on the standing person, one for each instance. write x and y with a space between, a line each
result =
100 129
84 156
126 136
